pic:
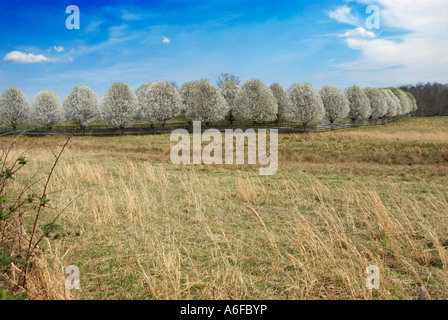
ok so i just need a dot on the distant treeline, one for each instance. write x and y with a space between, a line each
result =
432 99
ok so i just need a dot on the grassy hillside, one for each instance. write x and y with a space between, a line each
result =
341 201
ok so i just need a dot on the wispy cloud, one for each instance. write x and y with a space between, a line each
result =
93 26
58 49
128 13
130 16
166 40
416 54
116 32
359 32
20 57
344 14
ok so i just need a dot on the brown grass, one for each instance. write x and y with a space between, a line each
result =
45 279
147 229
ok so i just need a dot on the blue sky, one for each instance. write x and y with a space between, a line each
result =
285 41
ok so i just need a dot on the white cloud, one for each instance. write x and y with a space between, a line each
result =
417 53
93 26
344 15
166 40
118 31
359 32
58 49
20 57
130 16
130 13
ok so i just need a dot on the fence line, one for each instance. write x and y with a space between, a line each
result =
145 129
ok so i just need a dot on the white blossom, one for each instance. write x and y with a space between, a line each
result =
405 107
229 91
283 102
119 105
306 103
82 106
14 108
46 110
393 104
204 102
159 102
335 103
255 103
359 103
378 102
185 93
412 101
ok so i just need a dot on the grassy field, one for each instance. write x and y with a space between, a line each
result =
144 228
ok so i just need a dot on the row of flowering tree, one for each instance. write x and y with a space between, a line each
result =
158 102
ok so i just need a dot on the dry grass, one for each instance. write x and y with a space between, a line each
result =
45 279
147 229
25 271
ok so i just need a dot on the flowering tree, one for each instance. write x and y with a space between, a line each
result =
119 105
412 101
255 102
396 97
14 107
335 103
393 104
159 102
46 110
174 84
306 104
229 91
283 102
142 86
204 102
226 77
405 102
82 106
185 93
405 107
378 102
359 103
